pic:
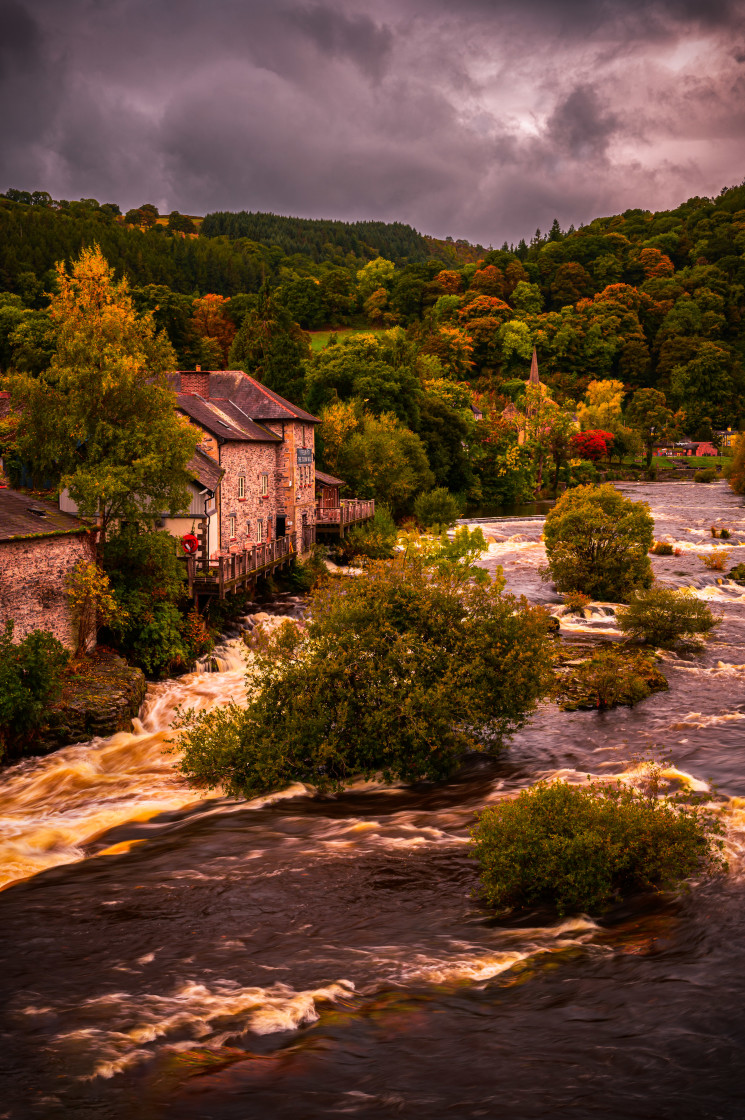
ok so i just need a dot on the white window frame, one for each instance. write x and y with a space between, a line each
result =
264 489
233 522
259 531
241 487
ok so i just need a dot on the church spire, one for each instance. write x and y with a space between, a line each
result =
534 378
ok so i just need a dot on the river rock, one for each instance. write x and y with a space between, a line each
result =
104 698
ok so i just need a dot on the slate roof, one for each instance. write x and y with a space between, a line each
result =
329 480
23 516
224 420
205 470
254 398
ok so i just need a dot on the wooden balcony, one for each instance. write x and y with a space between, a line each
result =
239 568
335 521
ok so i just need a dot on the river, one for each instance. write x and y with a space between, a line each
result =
167 955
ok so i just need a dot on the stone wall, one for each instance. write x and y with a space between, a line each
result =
33 573
248 461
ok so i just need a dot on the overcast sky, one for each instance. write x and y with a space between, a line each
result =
479 119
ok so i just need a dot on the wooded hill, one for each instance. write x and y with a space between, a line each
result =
652 299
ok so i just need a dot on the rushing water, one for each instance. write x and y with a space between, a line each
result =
173 956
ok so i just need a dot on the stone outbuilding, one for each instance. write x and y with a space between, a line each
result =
39 548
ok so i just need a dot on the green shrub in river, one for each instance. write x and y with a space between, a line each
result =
661 617
611 676
708 474
398 672
597 543
579 848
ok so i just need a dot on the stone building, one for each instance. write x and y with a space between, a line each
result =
264 447
39 547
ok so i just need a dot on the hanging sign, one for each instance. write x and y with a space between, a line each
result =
304 455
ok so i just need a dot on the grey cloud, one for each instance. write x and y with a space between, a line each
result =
341 35
482 121
581 125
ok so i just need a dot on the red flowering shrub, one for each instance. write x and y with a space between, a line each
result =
594 445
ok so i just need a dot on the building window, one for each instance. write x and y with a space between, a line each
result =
232 520
260 529
241 488
264 485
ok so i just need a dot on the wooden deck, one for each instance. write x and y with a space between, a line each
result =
336 520
241 567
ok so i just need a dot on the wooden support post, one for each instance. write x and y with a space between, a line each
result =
221 576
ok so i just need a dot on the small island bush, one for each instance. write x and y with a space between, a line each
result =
708 474
661 548
738 573
580 848
575 602
597 543
31 676
437 509
662 617
715 561
398 673
610 677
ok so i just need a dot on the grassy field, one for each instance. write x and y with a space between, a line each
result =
700 462
318 339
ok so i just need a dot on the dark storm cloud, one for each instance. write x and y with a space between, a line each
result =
478 121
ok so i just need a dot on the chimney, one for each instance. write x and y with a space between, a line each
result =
197 383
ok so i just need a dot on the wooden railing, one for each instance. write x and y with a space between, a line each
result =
348 511
229 570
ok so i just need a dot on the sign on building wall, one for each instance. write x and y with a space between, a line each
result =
304 455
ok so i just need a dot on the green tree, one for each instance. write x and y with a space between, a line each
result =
649 415
384 460
597 543
101 417
376 274
399 672
272 348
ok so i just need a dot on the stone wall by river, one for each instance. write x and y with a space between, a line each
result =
168 955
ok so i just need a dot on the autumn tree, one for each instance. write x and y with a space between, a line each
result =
211 323
101 418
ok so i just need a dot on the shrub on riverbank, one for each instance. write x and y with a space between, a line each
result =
579 848
662 617
597 543
399 671
31 674
708 474
156 631
661 548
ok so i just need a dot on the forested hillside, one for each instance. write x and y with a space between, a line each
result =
645 300
321 240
